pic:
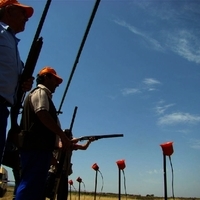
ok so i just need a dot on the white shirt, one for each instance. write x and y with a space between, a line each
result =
39 98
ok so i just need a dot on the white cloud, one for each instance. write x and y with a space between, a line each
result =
183 41
151 89
151 41
161 109
185 44
151 81
177 118
149 86
128 91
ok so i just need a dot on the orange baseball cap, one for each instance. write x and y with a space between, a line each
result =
29 9
49 70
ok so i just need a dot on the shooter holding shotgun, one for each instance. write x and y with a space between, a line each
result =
62 190
61 168
16 78
13 17
41 127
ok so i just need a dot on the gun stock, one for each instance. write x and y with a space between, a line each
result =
96 137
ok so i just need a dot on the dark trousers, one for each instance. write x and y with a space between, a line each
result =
62 193
35 166
17 176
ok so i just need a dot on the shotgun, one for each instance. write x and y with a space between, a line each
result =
96 137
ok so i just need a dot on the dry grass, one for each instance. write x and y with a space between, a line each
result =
9 195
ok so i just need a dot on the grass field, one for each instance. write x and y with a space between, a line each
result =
106 196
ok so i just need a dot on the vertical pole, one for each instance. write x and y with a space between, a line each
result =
95 190
79 191
70 189
165 176
119 184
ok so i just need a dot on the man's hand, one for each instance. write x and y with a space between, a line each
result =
66 143
27 85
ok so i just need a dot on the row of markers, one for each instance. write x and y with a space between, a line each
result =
167 149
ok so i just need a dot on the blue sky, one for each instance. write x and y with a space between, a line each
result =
138 75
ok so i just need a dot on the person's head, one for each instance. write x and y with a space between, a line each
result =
15 14
49 78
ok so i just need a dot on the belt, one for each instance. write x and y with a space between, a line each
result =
4 101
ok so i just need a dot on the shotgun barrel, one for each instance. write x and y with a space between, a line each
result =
96 137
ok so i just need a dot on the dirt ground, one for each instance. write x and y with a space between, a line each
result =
9 195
